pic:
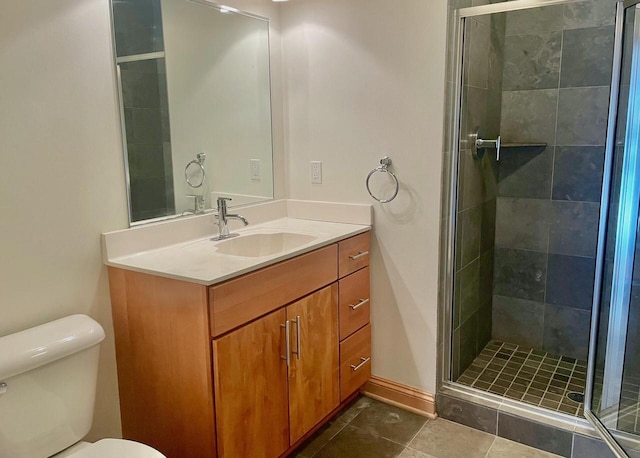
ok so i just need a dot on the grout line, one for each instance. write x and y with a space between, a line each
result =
491 446
342 427
416 434
546 390
534 374
559 88
378 436
515 375
573 443
530 377
538 251
637 412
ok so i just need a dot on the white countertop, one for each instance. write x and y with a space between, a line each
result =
198 261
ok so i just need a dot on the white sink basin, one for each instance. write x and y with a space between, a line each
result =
257 245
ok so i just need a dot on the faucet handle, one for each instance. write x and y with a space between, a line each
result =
222 204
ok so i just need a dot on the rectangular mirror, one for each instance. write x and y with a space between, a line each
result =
195 102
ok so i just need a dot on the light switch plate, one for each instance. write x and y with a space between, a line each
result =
255 169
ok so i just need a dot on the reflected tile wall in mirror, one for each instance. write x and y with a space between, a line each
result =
195 81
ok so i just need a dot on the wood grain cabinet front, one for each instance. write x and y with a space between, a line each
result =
247 368
353 254
265 400
250 383
355 361
314 383
355 302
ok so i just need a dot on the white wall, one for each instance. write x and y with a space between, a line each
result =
61 168
61 172
365 79
271 10
219 99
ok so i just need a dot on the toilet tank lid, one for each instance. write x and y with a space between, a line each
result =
35 347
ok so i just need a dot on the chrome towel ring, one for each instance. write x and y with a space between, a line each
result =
385 162
198 161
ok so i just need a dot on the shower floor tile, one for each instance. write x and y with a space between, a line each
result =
532 376
626 414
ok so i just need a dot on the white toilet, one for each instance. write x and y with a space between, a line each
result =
48 380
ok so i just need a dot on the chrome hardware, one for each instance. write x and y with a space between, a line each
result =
3 388
198 205
479 145
359 255
198 161
364 361
359 304
298 327
385 163
287 336
222 218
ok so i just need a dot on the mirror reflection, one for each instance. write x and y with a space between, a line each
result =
196 107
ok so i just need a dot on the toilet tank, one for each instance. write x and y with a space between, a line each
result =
47 386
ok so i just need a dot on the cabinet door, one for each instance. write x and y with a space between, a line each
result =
250 379
314 384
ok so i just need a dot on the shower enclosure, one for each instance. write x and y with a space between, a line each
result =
539 283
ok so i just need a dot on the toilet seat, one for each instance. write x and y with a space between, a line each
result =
116 448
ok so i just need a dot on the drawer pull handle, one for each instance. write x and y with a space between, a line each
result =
353 257
359 304
3 388
364 361
287 336
297 352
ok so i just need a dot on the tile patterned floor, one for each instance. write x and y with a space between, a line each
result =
532 376
371 429
627 414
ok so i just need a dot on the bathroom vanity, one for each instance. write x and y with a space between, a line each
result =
244 364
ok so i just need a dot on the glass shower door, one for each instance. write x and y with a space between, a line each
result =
612 402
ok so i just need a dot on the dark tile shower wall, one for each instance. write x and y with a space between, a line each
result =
148 140
482 93
138 26
138 30
556 76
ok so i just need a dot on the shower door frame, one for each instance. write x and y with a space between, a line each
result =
455 64
619 306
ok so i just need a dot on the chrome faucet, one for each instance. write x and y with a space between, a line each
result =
223 217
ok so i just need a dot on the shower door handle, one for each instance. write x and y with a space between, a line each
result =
481 144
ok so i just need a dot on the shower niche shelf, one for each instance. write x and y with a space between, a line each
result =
522 145
481 144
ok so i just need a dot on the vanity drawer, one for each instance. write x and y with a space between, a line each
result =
355 362
354 253
355 306
246 298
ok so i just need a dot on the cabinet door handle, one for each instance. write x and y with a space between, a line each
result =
364 361
360 254
359 304
298 327
287 336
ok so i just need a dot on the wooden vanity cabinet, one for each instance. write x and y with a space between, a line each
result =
355 307
266 401
250 384
355 304
314 382
209 372
163 356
